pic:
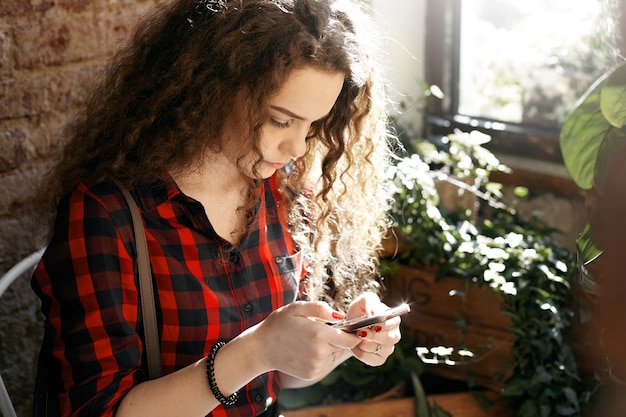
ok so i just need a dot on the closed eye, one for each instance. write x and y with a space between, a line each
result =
278 124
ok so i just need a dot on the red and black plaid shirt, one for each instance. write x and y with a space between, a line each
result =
206 290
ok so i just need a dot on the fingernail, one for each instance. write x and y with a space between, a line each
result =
362 333
377 328
338 316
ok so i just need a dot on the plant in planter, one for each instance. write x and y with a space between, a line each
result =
593 144
488 246
590 137
499 249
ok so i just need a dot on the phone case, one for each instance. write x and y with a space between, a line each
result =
358 323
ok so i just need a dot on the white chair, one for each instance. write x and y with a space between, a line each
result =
24 266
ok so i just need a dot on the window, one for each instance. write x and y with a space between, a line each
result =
515 69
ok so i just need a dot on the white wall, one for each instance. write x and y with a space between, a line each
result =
403 23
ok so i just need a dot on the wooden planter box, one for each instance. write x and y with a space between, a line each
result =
457 404
436 308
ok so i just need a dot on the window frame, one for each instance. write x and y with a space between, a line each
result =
442 65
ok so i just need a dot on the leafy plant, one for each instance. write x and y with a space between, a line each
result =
590 136
593 144
514 256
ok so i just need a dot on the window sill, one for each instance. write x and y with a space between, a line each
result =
537 175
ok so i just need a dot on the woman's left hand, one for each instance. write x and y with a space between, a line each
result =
377 341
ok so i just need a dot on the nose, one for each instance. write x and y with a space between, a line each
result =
295 146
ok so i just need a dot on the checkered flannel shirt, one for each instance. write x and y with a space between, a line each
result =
206 290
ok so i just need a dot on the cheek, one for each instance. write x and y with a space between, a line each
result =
267 143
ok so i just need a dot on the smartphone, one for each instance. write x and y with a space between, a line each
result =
358 323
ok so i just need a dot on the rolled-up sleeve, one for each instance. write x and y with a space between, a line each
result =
86 281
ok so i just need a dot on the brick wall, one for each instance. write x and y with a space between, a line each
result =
49 50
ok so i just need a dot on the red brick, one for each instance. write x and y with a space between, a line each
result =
5 47
33 93
14 7
58 39
43 141
75 5
13 148
42 5
18 188
30 141
20 7
117 26
67 88
63 37
8 96
18 98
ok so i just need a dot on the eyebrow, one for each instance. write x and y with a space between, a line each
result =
287 112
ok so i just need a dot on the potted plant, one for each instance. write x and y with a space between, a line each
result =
494 249
590 137
473 254
593 144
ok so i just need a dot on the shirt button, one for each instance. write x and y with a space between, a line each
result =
233 258
258 398
248 308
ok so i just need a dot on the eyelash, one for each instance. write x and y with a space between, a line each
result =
279 124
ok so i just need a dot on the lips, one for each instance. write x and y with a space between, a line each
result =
276 165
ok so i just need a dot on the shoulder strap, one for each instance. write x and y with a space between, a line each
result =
146 292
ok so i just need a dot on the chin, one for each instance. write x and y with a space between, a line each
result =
267 173
262 174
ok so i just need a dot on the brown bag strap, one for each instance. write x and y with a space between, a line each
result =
146 292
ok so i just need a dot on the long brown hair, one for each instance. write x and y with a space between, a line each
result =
165 96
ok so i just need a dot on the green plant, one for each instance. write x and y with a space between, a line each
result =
514 256
590 136
593 144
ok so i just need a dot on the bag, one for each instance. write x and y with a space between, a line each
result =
46 405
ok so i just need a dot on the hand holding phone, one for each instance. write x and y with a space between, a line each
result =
358 323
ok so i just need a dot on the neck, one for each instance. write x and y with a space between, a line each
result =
212 177
223 192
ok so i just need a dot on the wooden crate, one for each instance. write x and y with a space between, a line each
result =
437 306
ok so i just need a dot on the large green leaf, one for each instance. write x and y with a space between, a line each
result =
594 129
582 135
613 100
613 140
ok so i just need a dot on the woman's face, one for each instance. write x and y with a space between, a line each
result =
308 95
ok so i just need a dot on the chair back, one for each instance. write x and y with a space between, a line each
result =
26 265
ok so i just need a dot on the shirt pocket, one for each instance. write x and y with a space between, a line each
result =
287 270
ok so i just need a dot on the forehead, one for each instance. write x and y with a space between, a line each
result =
309 92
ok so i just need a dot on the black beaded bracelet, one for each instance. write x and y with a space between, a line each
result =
210 373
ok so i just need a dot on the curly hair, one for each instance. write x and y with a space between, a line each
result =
165 95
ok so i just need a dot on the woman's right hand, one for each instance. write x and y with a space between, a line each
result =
294 342
289 340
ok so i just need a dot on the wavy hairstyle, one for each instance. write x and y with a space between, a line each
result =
165 95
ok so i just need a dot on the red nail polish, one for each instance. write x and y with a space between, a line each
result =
362 333
377 328
338 316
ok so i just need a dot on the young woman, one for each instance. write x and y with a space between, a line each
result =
252 135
